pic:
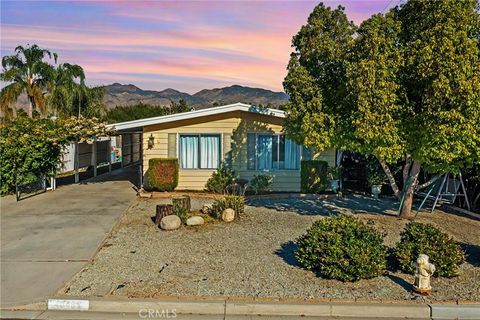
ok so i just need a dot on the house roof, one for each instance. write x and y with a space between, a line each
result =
195 114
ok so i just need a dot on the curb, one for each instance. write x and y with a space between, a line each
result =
216 307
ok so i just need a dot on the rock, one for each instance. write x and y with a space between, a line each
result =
206 209
195 221
228 215
171 222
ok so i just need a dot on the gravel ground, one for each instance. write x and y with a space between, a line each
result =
254 256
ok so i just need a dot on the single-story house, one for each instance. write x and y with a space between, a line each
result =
248 139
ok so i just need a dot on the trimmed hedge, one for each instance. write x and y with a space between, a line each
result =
162 174
313 176
442 250
342 248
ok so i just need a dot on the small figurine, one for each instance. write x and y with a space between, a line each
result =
424 270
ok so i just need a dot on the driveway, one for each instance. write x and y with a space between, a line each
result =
47 238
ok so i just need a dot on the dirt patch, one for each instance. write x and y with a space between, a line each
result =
255 256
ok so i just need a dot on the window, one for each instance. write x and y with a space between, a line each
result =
272 152
199 151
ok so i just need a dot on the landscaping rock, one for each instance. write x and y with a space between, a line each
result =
228 215
171 222
195 221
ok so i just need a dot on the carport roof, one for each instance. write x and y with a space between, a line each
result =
135 124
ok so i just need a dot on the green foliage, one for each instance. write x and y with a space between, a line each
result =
162 174
418 238
31 147
375 174
342 248
221 180
141 111
261 183
237 203
313 175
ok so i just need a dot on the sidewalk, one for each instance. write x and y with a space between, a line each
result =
230 308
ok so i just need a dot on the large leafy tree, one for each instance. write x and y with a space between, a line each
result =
28 72
406 89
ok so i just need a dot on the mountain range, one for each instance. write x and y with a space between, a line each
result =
118 94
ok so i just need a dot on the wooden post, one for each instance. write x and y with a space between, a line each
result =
76 161
94 156
162 211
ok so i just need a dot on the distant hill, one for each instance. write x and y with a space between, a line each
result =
127 94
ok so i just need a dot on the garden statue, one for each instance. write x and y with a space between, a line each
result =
424 270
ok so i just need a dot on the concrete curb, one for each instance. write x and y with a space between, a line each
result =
230 307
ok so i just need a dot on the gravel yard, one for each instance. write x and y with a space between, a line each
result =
254 256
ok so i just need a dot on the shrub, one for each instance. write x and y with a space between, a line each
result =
237 203
313 176
419 238
342 248
261 183
161 175
220 180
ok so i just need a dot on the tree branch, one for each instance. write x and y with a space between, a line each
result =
390 177
429 182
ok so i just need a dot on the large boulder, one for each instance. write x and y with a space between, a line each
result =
170 222
228 215
195 221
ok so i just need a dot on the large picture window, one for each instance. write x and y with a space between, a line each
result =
199 151
272 152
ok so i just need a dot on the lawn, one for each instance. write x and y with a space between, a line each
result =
254 256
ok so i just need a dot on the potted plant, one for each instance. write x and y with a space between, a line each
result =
376 178
334 174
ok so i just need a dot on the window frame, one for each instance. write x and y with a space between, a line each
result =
277 135
199 147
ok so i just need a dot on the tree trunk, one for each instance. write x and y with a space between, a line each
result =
408 192
30 106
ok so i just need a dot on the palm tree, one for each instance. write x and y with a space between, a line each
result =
27 72
68 82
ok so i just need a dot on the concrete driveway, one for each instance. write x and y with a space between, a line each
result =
47 238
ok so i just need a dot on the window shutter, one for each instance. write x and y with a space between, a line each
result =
172 145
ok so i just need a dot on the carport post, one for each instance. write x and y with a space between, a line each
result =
76 161
110 155
94 156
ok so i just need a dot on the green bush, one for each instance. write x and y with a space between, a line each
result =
342 248
220 180
237 203
161 175
442 250
261 183
313 176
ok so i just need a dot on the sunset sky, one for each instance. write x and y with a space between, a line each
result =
183 45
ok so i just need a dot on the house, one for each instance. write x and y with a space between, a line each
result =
248 139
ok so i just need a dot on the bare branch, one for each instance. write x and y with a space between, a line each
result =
429 182
390 177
